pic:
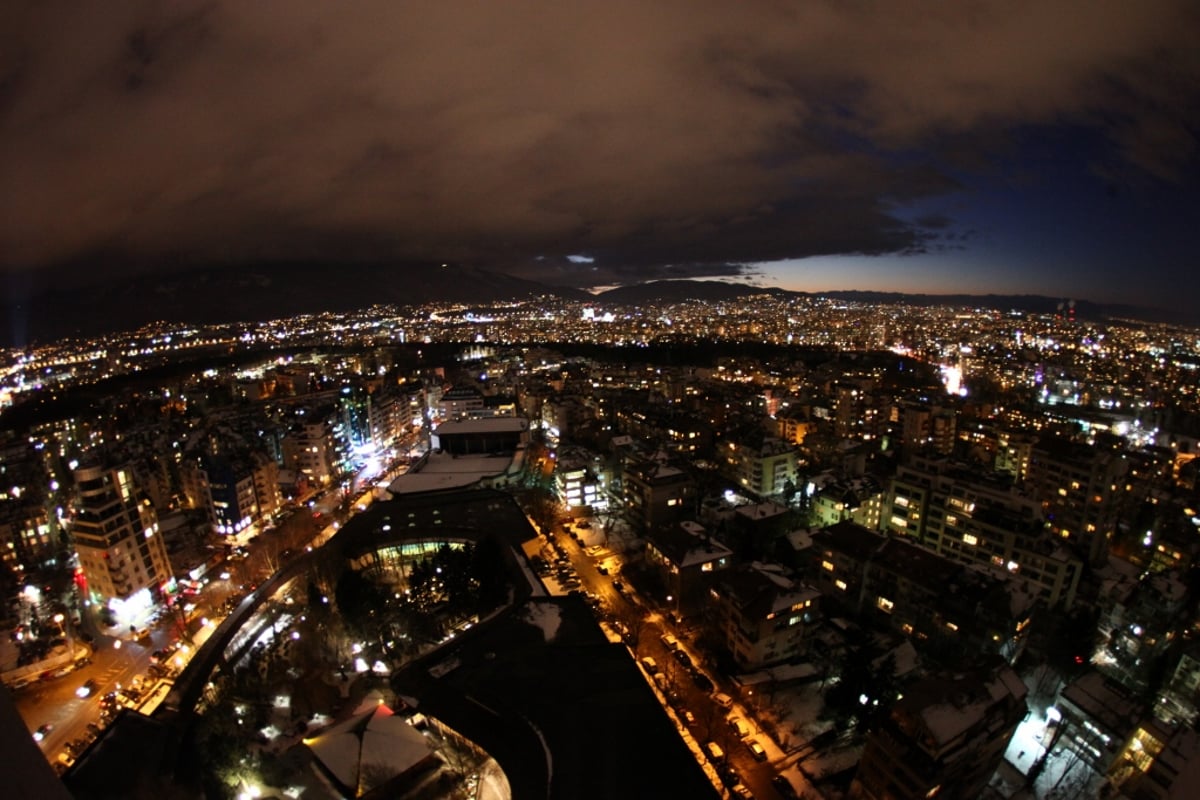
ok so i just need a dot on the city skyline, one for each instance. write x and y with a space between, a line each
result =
1047 150
701 508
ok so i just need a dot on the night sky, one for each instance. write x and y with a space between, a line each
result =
1043 147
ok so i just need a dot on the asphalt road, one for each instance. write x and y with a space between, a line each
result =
54 701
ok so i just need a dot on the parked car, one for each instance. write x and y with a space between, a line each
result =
757 751
723 700
650 664
740 727
702 681
715 751
784 787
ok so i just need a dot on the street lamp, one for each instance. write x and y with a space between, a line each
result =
128 660
675 615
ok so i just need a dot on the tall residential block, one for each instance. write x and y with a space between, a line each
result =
116 536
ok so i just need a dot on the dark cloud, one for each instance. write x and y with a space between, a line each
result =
658 138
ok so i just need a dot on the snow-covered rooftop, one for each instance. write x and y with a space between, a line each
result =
546 616
369 749
444 471
761 510
482 425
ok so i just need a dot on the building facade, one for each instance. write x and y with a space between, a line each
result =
972 518
763 616
116 536
943 739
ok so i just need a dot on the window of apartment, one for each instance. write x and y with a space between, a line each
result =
840 584
883 604
970 539
827 566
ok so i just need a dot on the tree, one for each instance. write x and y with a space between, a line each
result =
488 574
866 685
789 491
318 604
357 598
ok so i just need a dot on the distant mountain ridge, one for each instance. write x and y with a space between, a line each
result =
262 292
279 290
681 290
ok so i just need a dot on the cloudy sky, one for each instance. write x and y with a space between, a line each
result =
1006 146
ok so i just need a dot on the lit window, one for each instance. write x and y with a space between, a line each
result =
840 584
883 604
970 539
827 566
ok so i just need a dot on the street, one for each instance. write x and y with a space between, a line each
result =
709 721
117 658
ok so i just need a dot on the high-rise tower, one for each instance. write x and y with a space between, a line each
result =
116 536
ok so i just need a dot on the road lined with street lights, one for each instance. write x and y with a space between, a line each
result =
118 659
707 715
